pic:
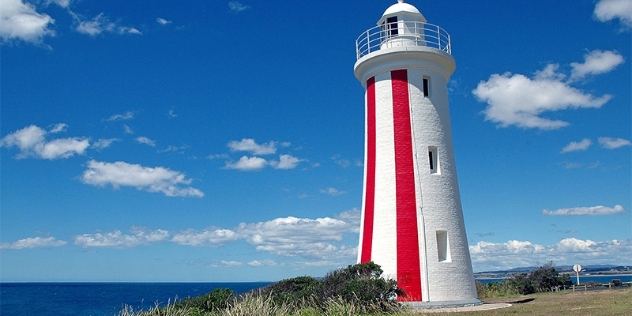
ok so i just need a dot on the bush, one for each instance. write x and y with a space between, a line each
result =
300 291
215 300
357 285
541 279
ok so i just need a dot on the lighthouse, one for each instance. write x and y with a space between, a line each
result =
412 220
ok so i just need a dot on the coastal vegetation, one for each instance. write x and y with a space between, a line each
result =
360 290
543 279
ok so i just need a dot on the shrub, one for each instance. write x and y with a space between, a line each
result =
545 277
300 291
357 285
541 279
215 300
362 284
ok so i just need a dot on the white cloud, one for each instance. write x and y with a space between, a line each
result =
158 179
104 143
332 191
20 21
304 237
246 163
61 127
32 142
236 6
577 146
249 144
122 117
61 3
163 22
579 211
218 156
261 263
487 256
230 263
100 24
116 239
515 99
575 245
340 161
613 143
285 162
146 141
205 238
518 100
35 242
596 62
607 10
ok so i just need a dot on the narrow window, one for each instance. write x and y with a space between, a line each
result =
443 246
433 159
426 86
391 25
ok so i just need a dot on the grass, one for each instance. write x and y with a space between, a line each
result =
598 302
601 302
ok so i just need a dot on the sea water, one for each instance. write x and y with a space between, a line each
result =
100 299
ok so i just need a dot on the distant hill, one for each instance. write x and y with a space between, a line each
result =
596 268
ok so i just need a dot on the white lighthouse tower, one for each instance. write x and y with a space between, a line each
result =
412 222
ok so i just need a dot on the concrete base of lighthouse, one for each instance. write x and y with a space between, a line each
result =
443 304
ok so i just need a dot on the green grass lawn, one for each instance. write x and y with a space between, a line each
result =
597 303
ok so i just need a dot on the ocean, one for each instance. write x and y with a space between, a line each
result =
100 299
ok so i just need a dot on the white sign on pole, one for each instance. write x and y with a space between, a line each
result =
577 268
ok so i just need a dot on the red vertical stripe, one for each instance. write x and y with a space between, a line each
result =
408 268
369 203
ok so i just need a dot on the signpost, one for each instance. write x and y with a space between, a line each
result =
577 268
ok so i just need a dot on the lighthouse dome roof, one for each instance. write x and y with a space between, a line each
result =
400 6
403 11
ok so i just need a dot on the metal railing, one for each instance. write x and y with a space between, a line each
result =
402 33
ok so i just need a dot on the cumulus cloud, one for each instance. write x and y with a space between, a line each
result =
236 6
116 239
285 162
146 141
304 237
580 211
21 21
577 146
205 238
596 62
515 99
487 256
249 144
158 179
35 242
613 143
31 141
246 163
607 10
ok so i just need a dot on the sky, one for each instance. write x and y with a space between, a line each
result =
218 140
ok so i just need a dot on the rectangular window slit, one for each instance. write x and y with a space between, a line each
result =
443 246
433 159
426 86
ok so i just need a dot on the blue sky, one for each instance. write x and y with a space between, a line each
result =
223 140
